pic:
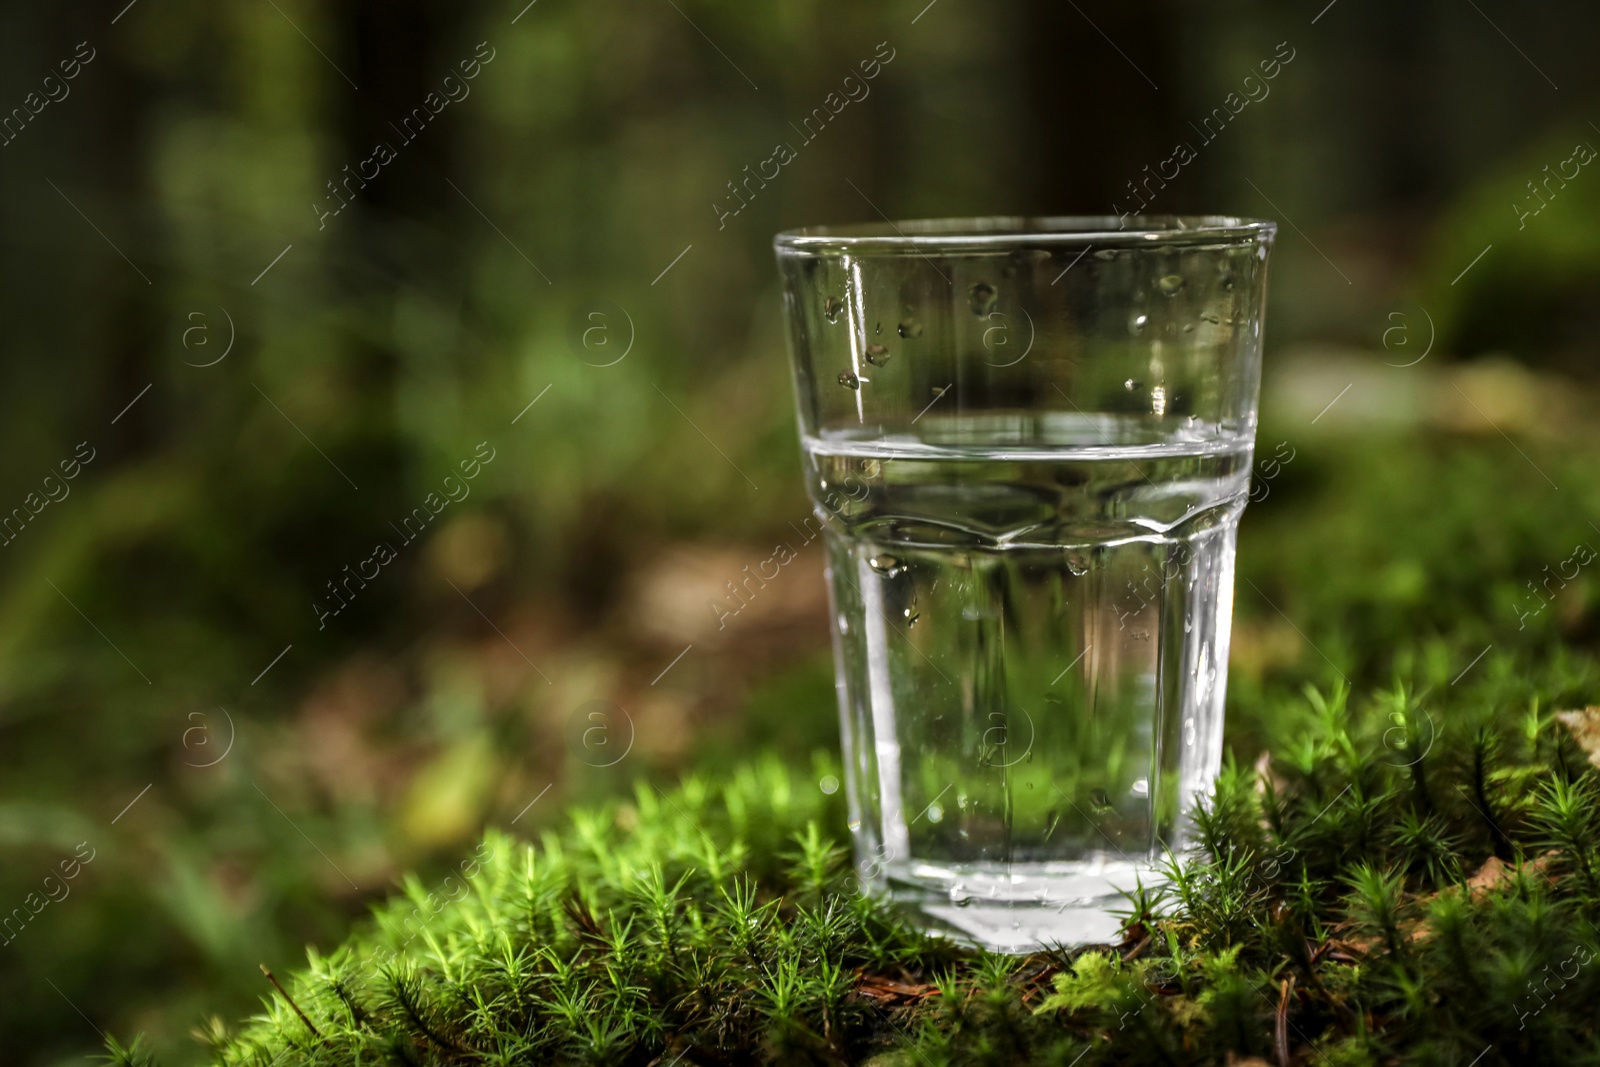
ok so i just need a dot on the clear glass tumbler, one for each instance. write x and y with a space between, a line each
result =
1028 443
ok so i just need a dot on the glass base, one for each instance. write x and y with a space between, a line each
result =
1022 907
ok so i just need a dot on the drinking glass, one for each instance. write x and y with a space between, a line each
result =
1028 443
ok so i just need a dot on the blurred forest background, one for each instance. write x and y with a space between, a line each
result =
268 372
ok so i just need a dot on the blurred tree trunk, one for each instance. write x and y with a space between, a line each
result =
404 49
411 231
1082 145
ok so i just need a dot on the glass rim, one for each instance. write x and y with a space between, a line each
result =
1000 232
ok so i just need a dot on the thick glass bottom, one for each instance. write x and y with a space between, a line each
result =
1021 907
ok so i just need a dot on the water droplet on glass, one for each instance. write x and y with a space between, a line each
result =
910 328
1188 327
1158 400
844 624
886 565
831 307
877 355
1137 323
877 329
1208 317
1227 282
1141 787
935 813
912 617
1130 385
1106 253
848 379
1171 284
1078 563
829 784
959 895
1099 801
982 297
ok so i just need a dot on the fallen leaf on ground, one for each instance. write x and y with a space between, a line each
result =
886 990
1585 729
1496 872
1493 872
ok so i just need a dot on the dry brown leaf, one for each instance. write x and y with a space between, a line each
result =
1494 871
1585 729
1263 770
886 990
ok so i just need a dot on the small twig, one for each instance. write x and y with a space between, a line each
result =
1133 954
1311 968
1281 1031
303 1017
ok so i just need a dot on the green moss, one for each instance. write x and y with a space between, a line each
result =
1328 919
